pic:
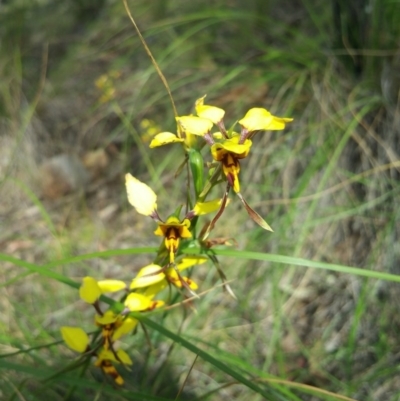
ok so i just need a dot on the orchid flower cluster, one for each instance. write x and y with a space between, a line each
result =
146 292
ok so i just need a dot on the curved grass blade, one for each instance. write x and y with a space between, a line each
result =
288 260
263 376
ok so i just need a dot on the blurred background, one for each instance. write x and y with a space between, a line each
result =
79 104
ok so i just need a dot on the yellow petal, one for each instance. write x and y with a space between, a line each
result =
172 275
232 146
159 232
137 302
111 285
149 275
157 304
192 285
189 261
75 338
215 114
105 355
89 290
261 119
201 208
174 278
140 196
165 138
126 327
184 231
151 291
123 357
195 125
108 318
173 221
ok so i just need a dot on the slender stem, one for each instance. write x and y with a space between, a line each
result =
153 60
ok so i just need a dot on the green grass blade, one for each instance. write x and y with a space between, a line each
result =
288 260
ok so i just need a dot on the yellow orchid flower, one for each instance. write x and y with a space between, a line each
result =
228 153
234 147
108 322
114 326
144 200
199 125
76 339
105 361
256 119
173 230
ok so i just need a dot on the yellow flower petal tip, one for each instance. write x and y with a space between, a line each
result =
195 125
192 285
75 338
89 290
164 138
152 290
217 135
111 285
200 101
189 261
140 196
212 113
261 119
112 356
201 208
126 327
148 275
137 302
124 357
108 318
